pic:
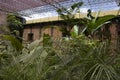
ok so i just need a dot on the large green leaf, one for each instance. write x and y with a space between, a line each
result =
98 22
103 19
34 44
77 5
14 42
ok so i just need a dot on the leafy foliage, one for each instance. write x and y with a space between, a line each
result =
68 15
79 58
14 42
93 24
13 21
75 58
15 26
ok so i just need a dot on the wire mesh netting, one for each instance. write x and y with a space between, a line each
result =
33 9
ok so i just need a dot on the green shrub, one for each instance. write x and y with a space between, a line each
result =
78 58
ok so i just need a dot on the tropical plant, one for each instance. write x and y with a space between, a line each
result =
68 15
79 58
15 25
4 29
11 40
93 24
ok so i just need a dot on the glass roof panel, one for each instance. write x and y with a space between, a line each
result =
34 9
49 11
13 6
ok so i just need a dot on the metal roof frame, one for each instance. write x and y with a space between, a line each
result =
33 9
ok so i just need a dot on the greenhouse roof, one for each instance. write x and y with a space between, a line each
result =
35 9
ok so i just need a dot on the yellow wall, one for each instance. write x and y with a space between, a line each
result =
57 18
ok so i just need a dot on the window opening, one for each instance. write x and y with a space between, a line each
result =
30 37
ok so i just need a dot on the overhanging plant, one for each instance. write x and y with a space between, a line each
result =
68 15
15 25
93 24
